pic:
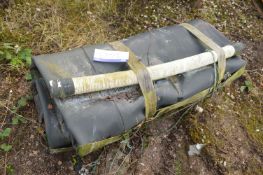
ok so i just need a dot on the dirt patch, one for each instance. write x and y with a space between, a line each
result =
167 150
228 144
31 155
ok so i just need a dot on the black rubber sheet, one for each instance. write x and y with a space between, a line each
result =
96 116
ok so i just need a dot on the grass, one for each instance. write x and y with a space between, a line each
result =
49 26
178 167
52 26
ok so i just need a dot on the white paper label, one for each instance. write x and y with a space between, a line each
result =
110 56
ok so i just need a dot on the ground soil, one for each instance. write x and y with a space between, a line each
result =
230 125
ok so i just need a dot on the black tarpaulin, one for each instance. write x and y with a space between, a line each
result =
92 117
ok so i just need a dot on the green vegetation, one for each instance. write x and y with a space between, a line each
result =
5 133
253 122
247 86
16 119
10 169
14 55
178 167
5 144
6 147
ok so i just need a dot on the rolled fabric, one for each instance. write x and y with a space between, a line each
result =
90 121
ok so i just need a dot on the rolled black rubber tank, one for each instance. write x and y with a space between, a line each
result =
87 118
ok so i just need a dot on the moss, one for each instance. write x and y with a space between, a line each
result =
178 167
200 132
252 121
246 115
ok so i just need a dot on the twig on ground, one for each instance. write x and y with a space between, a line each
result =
6 104
5 163
5 160
123 161
181 117
28 119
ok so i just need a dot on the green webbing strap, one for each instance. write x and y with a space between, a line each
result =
85 149
212 45
143 77
201 95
